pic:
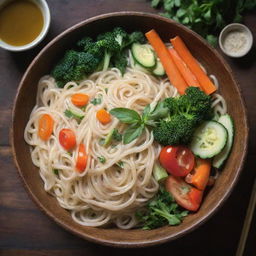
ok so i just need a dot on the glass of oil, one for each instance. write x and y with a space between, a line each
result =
23 23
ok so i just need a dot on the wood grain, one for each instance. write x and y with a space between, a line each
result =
24 230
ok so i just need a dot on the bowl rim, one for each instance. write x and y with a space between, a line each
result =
145 243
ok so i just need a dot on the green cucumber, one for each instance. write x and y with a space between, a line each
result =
144 55
219 159
159 69
159 173
209 139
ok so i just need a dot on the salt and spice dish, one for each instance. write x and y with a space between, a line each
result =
235 40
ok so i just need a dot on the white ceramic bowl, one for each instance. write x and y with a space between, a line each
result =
42 4
236 27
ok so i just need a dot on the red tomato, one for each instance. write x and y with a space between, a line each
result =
81 158
67 139
185 195
178 161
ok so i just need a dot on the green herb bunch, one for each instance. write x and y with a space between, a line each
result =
206 17
160 211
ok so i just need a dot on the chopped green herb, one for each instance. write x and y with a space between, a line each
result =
160 211
96 101
56 171
106 90
112 135
102 159
72 114
120 164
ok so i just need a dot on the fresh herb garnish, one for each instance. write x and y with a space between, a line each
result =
102 159
120 164
56 171
112 135
137 123
205 17
96 101
71 114
160 211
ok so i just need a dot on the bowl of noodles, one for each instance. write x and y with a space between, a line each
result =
129 130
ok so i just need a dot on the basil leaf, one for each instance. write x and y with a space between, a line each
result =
126 115
132 133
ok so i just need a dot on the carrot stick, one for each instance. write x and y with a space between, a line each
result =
103 116
162 52
191 62
200 176
183 68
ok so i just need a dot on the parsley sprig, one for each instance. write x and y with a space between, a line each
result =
203 16
160 211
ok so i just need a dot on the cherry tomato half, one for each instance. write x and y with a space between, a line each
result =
81 158
67 139
178 161
185 195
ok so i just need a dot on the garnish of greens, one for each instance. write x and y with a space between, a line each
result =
112 135
109 49
173 120
160 211
205 17
71 114
96 101
102 159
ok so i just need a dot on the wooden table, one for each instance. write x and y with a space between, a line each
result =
25 230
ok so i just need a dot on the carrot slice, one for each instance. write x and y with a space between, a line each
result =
82 157
103 116
193 65
170 68
183 68
200 175
79 99
45 126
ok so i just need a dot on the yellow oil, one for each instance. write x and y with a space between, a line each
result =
21 21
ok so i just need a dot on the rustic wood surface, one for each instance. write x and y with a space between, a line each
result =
24 230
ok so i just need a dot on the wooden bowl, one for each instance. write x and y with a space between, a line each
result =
26 98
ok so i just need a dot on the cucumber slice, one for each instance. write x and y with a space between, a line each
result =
209 139
159 172
219 159
159 69
144 55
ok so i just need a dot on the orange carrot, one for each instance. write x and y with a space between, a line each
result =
183 68
103 116
193 65
200 175
79 99
162 52
45 126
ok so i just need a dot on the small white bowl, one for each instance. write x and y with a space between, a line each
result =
42 4
236 27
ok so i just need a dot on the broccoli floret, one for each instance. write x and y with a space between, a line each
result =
195 104
176 130
61 72
120 61
74 66
137 37
85 44
185 113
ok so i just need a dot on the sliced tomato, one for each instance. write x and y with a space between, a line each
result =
81 158
45 126
67 139
178 161
185 195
